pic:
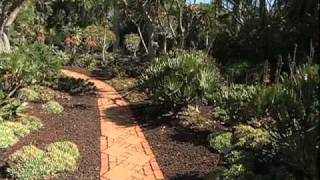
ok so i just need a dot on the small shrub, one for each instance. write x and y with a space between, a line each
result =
7 137
132 42
221 114
18 129
234 102
11 108
31 122
30 95
53 107
192 117
247 136
63 156
33 163
10 132
30 65
97 35
222 143
246 158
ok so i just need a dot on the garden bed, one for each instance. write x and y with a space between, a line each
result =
181 153
79 123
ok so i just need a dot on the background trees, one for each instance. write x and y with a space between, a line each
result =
8 12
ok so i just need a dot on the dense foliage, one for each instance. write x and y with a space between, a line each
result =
181 77
251 67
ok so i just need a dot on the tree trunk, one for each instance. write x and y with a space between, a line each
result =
7 16
165 44
116 25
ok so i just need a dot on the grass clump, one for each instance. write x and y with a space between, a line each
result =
33 163
53 107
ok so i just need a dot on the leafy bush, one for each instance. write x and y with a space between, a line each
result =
132 42
233 102
181 77
33 163
221 142
53 107
295 134
11 108
30 65
249 137
97 35
192 117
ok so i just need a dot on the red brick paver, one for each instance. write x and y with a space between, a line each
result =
125 152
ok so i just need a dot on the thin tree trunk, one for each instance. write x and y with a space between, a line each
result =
4 43
7 20
165 44
116 26
141 37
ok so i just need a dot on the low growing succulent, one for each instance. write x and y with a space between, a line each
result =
53 107
33 163
221 142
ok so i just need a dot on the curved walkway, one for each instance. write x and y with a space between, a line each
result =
125 152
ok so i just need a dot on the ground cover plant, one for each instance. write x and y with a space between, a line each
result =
33 163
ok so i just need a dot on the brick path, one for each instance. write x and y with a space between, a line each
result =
125 152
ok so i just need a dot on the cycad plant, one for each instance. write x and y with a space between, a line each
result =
181 77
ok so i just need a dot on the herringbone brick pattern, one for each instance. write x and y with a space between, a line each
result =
125 152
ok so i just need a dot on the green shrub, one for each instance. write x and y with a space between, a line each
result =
132 42
246 158
63 156
11 108
237 171
234 102
181 78
30 65
192 117
31 122
221 114
30 95
222 143
33 163
53 107
295 134
18 129
249 137
99 34
7 137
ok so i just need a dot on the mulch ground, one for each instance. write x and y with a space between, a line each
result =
79 123
182 154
